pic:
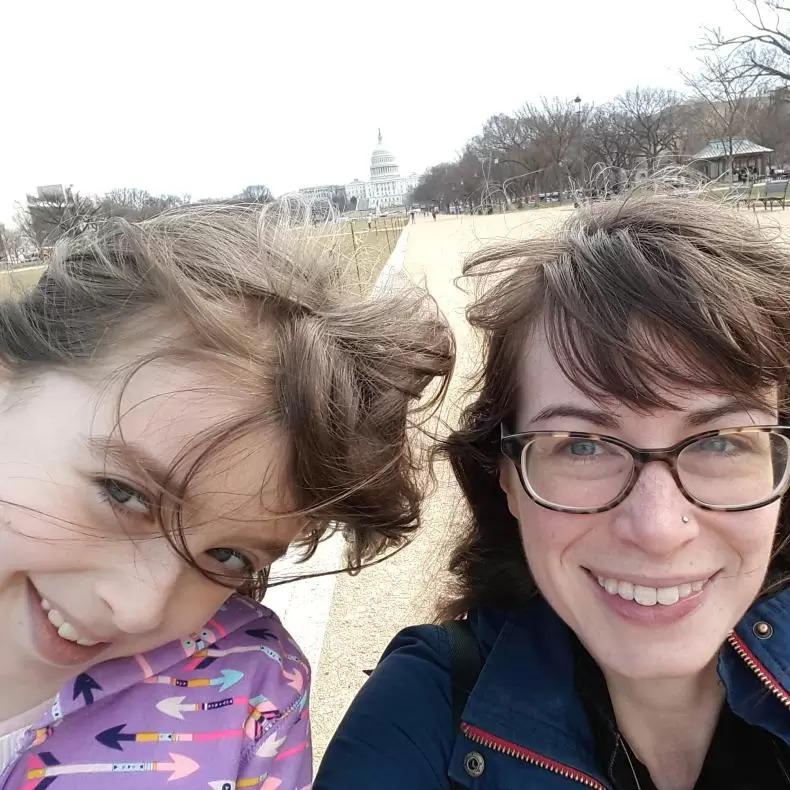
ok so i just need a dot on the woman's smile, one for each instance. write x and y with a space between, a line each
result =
652 602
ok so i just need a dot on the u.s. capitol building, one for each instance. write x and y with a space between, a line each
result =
385 188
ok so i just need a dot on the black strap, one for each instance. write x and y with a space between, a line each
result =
465 665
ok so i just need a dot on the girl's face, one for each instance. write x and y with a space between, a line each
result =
77 535
642 542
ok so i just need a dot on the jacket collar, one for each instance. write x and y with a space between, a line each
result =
754 668
113 677
526 691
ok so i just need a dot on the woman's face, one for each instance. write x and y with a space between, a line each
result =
77 535
642 542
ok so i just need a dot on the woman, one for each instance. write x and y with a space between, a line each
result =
180 401
624 570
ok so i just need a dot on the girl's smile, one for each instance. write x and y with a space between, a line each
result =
56 639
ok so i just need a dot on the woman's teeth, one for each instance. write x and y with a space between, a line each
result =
650 596
65 630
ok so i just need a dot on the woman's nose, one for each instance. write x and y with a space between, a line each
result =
139 591
652 515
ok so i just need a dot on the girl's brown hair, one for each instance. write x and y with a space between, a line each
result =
636 296
269 298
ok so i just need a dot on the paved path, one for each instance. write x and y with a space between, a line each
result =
343 622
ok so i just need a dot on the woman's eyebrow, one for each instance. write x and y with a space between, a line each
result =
130 455
594 416
699 417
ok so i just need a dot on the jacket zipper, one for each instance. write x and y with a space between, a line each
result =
476 735
765 677
483 738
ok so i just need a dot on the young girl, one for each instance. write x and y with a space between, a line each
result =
180 400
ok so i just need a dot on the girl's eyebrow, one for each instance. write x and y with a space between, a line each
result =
129 454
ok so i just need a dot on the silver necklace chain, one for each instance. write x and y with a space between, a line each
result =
626 750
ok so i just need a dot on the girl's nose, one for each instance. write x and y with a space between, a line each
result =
139 592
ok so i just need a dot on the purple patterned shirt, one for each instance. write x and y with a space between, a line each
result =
224 709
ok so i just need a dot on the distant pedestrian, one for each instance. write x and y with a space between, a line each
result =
370 221
434 212
412 216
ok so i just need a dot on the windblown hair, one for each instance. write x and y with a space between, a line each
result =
257 291
636 296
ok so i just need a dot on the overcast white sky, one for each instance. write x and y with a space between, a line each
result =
204 98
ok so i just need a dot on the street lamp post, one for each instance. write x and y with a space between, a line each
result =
578 102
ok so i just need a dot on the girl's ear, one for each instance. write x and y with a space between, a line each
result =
510 483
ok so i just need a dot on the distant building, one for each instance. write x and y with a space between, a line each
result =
714 158
385 188
326 192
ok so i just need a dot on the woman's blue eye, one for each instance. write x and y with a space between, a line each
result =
716 444
583 447
118 493
233 561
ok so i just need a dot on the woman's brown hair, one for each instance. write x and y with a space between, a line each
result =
636 296
269 298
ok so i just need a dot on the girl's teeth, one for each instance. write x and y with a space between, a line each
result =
45 604
65 630
55 617
649 596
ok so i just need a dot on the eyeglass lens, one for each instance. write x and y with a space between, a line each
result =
726 470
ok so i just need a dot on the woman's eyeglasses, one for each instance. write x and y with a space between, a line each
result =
578 472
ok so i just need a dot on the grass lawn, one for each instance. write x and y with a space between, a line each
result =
13 281
366 251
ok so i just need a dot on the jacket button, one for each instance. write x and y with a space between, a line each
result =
474 764
763 630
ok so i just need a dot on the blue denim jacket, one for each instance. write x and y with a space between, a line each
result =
524 724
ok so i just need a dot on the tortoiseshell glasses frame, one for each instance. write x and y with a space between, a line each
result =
515 446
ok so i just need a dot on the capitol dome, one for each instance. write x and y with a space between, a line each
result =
383 164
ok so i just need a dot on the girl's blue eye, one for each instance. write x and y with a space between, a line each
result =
117 493
233 561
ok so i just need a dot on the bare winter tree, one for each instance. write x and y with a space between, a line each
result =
725 91
650 120
339 200
448 183
31 232
555 125
764 49
256 193
136 204
505 137
45 218
11 245
607 138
